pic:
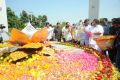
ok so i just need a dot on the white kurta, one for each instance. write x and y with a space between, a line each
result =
84 36
92 42
50 32
66 34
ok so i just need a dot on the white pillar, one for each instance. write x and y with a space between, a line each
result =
3 14
93 9
3 20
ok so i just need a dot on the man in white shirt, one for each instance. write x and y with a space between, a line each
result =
96 32
66 32
84 37
50 31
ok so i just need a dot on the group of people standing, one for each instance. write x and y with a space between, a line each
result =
85 34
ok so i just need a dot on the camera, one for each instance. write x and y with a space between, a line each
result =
2 26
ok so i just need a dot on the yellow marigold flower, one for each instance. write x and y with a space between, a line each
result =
32 45
17 55
7 45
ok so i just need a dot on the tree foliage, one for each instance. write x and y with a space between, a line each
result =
24 16
18 22
13 20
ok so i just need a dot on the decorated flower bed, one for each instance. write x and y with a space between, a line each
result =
107 71
45 61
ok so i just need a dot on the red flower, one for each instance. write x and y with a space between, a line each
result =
89 34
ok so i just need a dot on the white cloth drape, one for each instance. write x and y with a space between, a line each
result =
29 30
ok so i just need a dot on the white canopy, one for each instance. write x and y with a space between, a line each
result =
29 29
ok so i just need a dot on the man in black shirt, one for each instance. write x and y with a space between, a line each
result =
106 26
117 43
115 30
58 32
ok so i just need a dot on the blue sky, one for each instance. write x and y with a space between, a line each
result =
64 10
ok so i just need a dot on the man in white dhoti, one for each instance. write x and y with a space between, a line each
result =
96 31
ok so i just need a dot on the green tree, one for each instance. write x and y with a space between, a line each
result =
34 20
24 16
13 20
39 20
43 20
